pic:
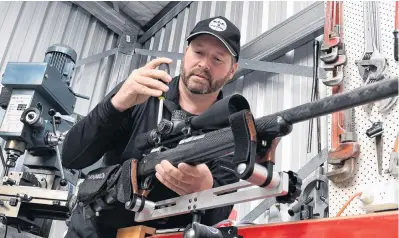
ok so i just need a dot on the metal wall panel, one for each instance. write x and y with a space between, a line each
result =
252 17
266 92
27 29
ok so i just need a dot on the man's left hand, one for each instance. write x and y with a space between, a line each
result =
184 179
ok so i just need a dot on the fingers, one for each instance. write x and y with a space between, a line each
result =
143 90
170 185
157 74
156 62
152 83
172 174
167 174
193 171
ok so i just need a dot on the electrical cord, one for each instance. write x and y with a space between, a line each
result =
347 203
4 221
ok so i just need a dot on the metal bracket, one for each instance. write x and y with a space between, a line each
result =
213 198
304 172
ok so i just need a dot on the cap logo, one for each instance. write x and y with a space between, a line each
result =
218 24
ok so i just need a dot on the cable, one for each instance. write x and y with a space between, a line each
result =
347 203
4 220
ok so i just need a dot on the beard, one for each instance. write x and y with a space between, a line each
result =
205 86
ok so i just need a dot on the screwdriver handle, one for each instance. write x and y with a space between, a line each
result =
164 67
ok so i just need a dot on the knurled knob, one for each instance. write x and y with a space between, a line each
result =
165 127
179 115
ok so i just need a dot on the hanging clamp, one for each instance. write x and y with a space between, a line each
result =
333 54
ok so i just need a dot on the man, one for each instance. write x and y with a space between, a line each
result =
210 60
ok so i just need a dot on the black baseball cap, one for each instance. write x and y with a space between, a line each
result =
221 28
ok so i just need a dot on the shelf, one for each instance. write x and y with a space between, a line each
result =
384 224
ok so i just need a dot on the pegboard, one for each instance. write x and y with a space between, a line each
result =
366 174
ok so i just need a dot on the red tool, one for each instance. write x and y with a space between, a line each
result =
344 148
333 48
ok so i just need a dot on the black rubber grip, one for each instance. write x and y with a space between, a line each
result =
396 45
203 231
201 149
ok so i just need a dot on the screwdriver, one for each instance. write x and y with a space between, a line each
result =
164 67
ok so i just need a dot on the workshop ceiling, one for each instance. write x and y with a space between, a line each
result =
141 12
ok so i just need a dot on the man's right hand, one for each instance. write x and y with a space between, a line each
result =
141 84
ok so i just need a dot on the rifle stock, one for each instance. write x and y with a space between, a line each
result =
219 143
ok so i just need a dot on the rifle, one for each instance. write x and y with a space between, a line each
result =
228 129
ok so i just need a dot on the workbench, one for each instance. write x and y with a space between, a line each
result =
384 225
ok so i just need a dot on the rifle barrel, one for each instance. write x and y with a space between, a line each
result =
337 102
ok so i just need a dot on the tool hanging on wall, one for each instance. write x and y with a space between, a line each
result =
313 202
395 33
333 54
344 146
394 160
315 96
373 65
376 130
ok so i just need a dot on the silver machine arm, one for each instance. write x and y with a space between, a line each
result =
39 103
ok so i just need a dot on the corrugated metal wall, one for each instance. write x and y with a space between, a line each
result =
252 17
27 29
266 92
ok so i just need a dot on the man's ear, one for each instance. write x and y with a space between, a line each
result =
233 70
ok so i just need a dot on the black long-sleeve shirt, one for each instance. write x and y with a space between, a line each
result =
107 132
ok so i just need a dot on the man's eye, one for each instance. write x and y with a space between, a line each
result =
199 52
218 59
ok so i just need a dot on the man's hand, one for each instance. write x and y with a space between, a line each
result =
141 84
184 179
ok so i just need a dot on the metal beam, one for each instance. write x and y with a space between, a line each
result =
116 6
292 33
96 57
163 21
160 15
107 15
271 67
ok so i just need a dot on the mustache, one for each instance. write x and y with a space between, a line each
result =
201 72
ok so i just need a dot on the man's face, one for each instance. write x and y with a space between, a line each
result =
207 65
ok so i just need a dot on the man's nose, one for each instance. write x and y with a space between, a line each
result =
204 63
